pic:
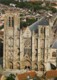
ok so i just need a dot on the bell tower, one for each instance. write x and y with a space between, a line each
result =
11 40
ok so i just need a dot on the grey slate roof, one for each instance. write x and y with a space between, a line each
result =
42 21
54 45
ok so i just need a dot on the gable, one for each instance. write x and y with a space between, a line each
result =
27 33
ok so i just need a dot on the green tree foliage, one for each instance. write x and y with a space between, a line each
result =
53 9
30 21
1 27
27 23
30 5
23 24
11 77
6 2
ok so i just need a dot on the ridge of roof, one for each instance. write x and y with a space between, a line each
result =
42 21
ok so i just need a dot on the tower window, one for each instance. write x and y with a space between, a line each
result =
9 21
12 21
42 30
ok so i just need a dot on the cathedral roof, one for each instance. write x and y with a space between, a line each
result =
43 21
54 45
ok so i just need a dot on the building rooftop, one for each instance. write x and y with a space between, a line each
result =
43 21
54 45
51 74
26 75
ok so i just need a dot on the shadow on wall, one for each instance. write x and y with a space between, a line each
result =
1 49
1 54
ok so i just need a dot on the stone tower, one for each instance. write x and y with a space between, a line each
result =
11 40
43 45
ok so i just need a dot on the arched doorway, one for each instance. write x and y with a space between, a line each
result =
27 65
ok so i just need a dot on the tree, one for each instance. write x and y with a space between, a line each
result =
11 77
1 27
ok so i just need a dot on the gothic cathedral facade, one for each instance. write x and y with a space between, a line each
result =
28 49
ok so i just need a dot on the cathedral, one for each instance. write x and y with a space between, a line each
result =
29 48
